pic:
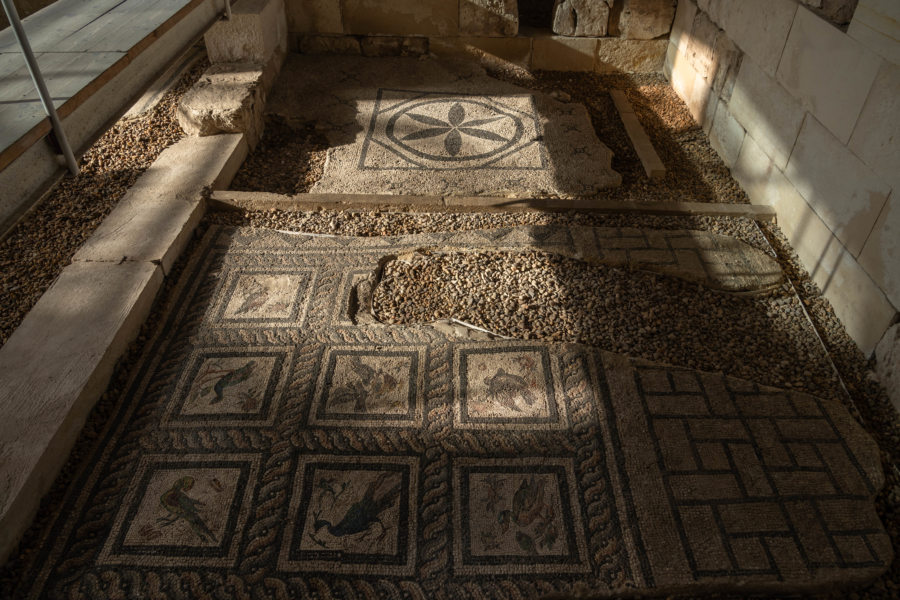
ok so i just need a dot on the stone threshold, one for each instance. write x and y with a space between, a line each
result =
231 199
59 361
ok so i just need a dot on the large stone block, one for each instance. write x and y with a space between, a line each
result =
828 71
314 16
682 24
256 31
516 50
646 19
858 301
630 56
489 17
767 111
701 47
693 89
561 53
887 364
876 25
421 17
228 98
54 368
347 45
766 184
876 138
758 28
388 45
880 256
842 190
727 58
581 18
726 135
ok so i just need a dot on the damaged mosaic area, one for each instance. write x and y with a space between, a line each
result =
276 439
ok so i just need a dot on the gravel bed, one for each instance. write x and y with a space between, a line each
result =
537 295
289 159
36 250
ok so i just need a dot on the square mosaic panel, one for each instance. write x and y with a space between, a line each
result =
259 297
443 131
517 516
230 387
183 511
370 386
353 514
507 388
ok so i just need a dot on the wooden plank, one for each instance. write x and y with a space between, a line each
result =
122 27
653 166
265 201
56 21
40 128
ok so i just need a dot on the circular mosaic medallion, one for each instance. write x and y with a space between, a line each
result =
454 129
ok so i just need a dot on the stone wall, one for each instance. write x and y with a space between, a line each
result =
806 117
599 35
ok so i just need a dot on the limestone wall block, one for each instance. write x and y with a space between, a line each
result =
767 111
828 71
630 56
876 138
581 18
646 19
758 28
314 16
255 33
880 256
887 364
876 25
329 44
726 135
489 17
561 53
844 192
419 17
228 98
682 24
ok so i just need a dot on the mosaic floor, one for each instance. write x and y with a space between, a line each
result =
273 443
429 127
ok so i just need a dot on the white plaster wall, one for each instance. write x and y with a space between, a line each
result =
811 127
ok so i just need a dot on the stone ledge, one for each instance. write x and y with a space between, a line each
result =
156 218
58 362
54 368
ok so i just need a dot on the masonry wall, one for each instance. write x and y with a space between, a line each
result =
586 35
807 116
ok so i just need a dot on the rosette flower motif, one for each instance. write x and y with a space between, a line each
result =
454 128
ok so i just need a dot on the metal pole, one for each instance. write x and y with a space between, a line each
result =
13 16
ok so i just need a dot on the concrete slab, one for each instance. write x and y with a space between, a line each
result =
155 219
53 369
440 127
